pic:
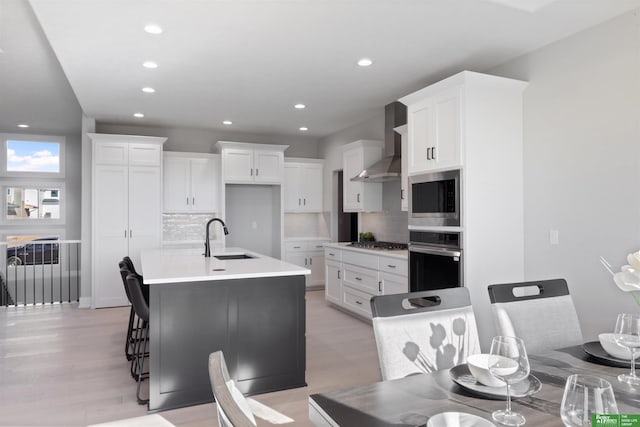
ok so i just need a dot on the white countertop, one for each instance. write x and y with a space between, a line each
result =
171 265
395 253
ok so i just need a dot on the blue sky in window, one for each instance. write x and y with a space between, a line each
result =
28 156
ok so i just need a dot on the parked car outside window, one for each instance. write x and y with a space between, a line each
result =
34 253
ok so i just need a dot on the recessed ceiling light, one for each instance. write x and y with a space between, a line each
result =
153 29
365 62
23 125
148 89
299 106
138 115
227 122
150 64
304 129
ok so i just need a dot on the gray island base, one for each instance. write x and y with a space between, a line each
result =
258 322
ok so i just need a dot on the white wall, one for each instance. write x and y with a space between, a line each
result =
582 163
204 140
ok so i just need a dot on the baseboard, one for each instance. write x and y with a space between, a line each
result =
85 302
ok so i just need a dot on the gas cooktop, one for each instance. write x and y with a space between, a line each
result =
382 246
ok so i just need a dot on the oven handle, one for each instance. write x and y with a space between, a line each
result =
434 251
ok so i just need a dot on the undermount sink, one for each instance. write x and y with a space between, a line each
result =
233 256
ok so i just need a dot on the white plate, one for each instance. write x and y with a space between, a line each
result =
458 419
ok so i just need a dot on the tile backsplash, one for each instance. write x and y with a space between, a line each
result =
188 227
392 224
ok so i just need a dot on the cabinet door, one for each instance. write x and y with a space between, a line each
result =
316 264
394 284
446 142
291 188
110 234
145 154
111 153
420 130
144 210
268 166
298 258
204 185
352 190
333 286
176 184
311 182
237 165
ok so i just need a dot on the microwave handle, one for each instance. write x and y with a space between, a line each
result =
434 251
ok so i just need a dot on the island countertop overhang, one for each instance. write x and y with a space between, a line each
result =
170 265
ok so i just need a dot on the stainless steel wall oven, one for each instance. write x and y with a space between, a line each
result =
435 260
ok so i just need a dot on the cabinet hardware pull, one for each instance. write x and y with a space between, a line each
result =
187 200
125 233
330 254
193 200
256 171
380 286
130 233
305 261
299 202
391 266
433 153
429 153
358 198
305 202
251 171
402 194
358 302
338 274
310 261
358 278
318 246
296 247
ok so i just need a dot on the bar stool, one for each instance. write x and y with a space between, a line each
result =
128 344
142 332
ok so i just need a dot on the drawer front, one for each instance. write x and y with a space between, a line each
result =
356 301
360 259
316 245
362 279
394 266
332 254
295 246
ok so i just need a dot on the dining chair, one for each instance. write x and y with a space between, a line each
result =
540 312
234 410
423 331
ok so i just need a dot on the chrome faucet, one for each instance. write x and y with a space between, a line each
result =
207 246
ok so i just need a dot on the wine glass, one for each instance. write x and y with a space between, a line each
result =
627 334
508 362
585 396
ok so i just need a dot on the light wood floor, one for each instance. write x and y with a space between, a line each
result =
64 366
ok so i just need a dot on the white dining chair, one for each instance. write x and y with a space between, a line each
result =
423 331
540 312
235 410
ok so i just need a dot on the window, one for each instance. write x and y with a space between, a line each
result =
32 156
32 202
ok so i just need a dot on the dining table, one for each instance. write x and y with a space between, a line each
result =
413 400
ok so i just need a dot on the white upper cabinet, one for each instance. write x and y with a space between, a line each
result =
191 182
303 185
434 132
361 196
247 163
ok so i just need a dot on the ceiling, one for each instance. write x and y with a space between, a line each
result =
250 61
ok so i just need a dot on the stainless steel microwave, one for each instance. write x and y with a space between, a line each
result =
434 199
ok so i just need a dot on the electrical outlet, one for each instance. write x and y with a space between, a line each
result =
554 237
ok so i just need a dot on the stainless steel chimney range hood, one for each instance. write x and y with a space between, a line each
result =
389 168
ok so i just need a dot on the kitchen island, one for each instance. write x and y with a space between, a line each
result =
250 306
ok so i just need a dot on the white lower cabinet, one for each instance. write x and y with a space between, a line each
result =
353 277
309 254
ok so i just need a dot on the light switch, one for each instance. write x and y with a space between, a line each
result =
554 237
